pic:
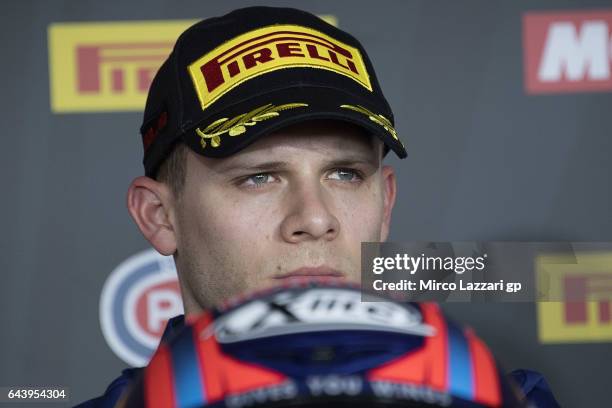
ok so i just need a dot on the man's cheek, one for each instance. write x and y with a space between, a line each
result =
362 219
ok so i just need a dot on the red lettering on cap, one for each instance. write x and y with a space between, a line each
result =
233 68
289 50
262 55
313 53
152 132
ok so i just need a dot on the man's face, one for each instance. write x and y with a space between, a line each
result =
297 202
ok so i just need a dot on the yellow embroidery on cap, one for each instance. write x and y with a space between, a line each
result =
376 118
237 125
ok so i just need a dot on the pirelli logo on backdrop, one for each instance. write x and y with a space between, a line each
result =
568 51
109 66
586 285
269 49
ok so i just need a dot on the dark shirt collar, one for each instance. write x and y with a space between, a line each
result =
173 327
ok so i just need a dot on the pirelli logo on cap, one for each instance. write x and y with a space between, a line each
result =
269 49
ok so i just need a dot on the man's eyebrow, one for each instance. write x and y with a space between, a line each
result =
352 161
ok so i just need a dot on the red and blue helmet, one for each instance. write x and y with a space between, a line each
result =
318 344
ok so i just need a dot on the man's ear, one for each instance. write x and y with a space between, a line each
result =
150 205
389 193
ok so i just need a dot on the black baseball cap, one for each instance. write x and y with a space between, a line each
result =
232 79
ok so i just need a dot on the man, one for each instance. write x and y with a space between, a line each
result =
263 133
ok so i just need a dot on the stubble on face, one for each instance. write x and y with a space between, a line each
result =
235 235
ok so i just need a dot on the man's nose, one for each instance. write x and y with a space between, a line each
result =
309 216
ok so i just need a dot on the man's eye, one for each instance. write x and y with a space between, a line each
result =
345 175
257 180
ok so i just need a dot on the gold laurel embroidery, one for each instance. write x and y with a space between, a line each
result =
238 125
376 118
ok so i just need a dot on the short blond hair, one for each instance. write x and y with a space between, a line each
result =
173 169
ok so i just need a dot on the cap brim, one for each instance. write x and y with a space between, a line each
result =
240 125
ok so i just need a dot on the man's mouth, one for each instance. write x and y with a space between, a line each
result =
311 271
